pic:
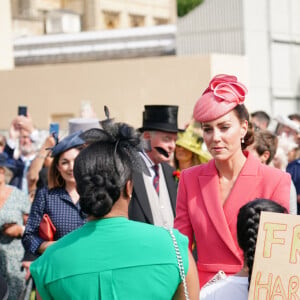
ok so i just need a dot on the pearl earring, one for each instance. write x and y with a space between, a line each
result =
242 140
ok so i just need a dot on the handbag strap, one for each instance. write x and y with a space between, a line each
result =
180 264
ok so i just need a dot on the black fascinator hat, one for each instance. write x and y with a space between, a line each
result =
126 140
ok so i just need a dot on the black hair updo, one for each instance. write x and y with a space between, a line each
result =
102 169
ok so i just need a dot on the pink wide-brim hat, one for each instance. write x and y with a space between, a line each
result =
223 94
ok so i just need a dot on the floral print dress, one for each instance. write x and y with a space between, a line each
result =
11 250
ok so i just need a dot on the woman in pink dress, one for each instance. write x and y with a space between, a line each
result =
210 195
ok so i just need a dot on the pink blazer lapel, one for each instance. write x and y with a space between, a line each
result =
224 218
210 195
244 189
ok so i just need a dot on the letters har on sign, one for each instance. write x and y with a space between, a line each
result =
276 269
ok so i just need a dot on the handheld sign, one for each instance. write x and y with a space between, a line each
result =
276 269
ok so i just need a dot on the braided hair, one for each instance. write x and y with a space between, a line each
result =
247 226
102 169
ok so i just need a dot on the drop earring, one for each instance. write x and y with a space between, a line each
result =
242 140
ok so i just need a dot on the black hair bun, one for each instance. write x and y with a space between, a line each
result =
97 195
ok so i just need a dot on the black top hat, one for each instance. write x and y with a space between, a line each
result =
160 118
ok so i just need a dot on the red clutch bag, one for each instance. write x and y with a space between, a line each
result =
47 229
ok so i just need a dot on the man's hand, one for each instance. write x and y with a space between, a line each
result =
14 130
25 123
20 125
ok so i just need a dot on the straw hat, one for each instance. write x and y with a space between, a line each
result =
193 142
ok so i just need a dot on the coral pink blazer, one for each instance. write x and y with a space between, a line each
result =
199 212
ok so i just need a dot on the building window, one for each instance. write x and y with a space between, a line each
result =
111 19
160 21
137 21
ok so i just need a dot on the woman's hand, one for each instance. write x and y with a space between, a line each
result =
45 245
26 265
13 230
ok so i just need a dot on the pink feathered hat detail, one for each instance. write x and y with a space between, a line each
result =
223 94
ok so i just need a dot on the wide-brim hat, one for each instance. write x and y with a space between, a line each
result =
160 118
193 142
223 94
71 141
5 162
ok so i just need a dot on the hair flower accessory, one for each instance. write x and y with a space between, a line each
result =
222 95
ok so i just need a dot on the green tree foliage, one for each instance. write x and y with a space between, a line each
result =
185 6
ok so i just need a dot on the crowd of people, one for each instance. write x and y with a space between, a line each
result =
115 212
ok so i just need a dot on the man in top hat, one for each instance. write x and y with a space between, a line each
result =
154 198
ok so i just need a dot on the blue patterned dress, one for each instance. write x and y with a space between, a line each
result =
11 249
64 214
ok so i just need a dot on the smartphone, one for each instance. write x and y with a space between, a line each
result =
54 128
22 111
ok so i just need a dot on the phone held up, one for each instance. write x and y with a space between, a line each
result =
54 129
22 111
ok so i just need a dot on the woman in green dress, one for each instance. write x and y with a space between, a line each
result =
111 257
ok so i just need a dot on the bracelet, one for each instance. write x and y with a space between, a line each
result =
23 229
41 156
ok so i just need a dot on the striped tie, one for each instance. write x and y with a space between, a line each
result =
156 179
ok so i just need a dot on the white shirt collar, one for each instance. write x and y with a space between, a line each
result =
27 158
